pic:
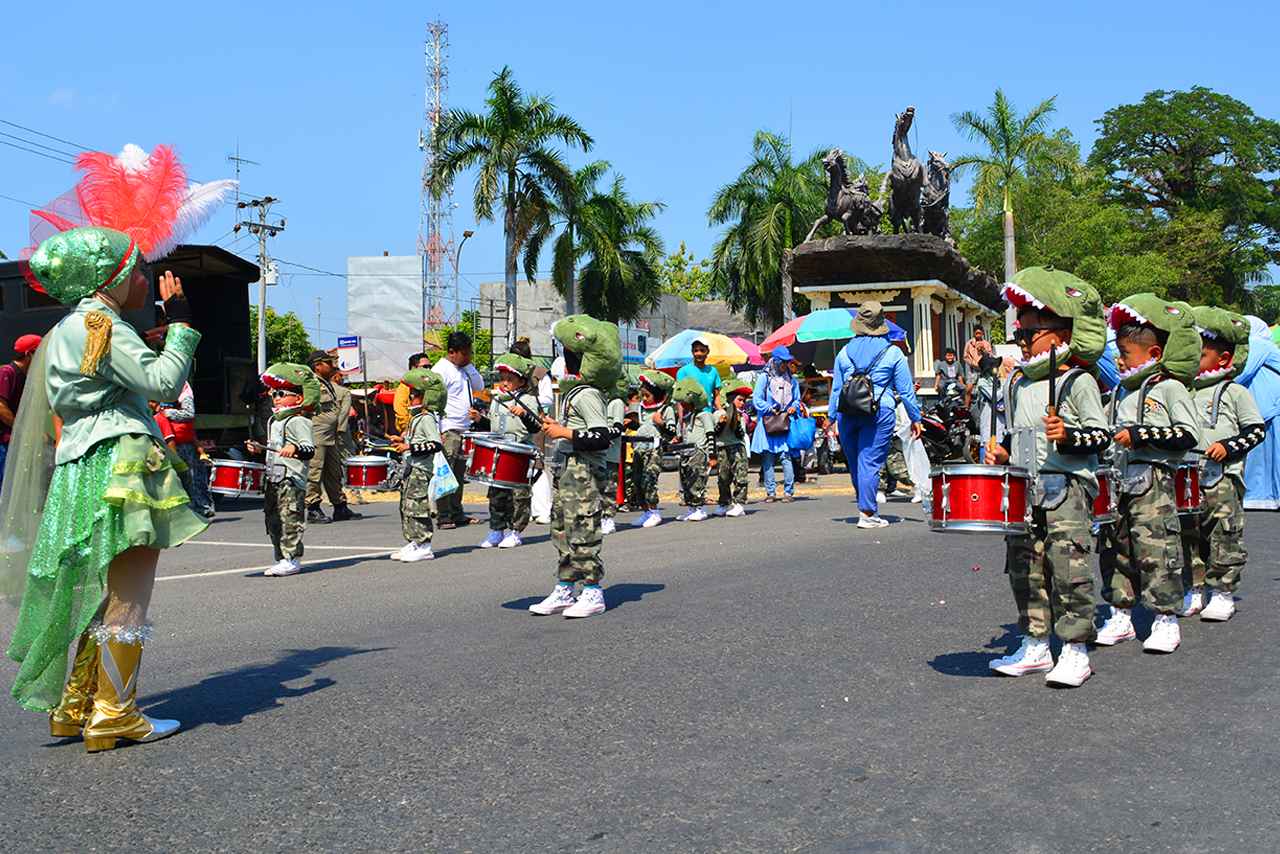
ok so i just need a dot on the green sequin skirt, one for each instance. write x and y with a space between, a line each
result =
124 492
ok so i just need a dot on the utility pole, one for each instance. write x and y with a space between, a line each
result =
266 268
239 162
457 267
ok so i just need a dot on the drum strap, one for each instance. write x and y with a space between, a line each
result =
1064 390
567 401
1215 409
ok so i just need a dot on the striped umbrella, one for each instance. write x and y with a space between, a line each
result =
677 350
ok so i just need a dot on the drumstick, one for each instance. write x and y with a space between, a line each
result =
995 392
1052 409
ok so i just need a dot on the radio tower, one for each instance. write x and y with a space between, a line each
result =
435 226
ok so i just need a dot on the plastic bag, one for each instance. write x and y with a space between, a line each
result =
442 480
800 433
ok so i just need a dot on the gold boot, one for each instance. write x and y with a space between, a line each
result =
72 713
115 712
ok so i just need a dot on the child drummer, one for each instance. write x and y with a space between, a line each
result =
699 429
1054 401
732 451
659 424
514 412
295 391
1157 426
1232 426
421 442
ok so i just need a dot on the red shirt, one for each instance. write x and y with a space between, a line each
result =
166 427
12 381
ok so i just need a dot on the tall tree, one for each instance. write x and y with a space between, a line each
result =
686 277
287 339
573 208
511 145
1011 141
768 209
621 277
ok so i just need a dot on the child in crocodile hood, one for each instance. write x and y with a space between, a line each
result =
593 362
731 451
1055 413
422 441
295 391
659 425
1231 427
515 413
698 427
1156 425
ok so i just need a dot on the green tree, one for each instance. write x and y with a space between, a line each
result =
572 205
1264 301
511 145
481 340
287 339
768 209
685 277
1012 141
623 254
1203 161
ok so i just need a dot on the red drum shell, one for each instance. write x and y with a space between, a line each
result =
970 498
237 479
1104 504
502 464
366 472
469 440
1186 487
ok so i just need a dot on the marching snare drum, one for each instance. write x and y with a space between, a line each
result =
1186 487
366 472
501 463
469 440
979 499
237 479
1106 502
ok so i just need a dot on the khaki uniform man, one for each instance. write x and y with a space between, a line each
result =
330 424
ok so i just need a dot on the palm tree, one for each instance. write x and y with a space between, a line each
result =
511 145
768 209
624 254
1012 142
577 216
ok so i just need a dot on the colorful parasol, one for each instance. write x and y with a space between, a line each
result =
828 324
676 350
754 357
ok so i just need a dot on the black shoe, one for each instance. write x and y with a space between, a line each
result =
342 513
315 516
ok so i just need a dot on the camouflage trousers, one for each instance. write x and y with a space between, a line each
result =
509 509
895 466
284 507
1142 550
646 466
1213 547
575 521
1049 569
608 483
693 476
731 474
415 506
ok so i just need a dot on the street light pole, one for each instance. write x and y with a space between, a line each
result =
457 268
263 230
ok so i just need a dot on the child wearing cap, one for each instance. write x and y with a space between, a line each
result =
290 446
731 451
514 412
658 424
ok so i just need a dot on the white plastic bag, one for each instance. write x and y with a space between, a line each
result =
442 480
540 500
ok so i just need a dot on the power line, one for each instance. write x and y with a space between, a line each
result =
46 135
38 153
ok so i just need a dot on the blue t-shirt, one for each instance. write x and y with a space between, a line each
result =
707 376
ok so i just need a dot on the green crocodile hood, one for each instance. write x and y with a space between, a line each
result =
595 345
691 394
658 382
291 376
515 363
1222 325
1181 357
431 384
1069 297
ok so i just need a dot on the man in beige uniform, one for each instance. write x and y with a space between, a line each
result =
328 423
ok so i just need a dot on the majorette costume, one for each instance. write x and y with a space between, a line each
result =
82 509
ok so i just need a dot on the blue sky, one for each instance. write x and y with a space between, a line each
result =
328 97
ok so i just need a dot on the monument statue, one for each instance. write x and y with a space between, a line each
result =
849 202
905 178
935 197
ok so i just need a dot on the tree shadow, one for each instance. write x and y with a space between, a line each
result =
615 596
974 663
228 698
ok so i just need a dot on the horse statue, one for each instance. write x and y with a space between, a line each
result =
905 178
849 202
935 197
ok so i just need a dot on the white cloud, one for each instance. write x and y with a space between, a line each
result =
62 96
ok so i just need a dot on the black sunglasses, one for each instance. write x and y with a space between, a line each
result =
281 392
1027 334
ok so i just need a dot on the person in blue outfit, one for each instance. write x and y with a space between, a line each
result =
705 374
867 439
776 392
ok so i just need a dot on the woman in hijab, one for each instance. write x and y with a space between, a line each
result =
867 439
776 394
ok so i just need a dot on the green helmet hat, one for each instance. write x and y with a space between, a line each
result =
597 346
658 382
1181 356
690 392
1221 325
289 376
431 386
514 363
1069 297
79 262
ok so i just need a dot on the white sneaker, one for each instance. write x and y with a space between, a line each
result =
494 538
398 554
720 511
511 540
865 521
1072 668
917 498
608 526
651 519
1165 635
736 510
590 603
542 520
1117 628
1192 602
414 553
1221 607
1031 656
561 597
880 498
697 514
285 566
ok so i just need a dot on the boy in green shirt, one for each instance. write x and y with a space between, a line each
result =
659 424
699 428
422 441
290 446
515 413
732 451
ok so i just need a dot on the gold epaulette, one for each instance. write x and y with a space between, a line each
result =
97 342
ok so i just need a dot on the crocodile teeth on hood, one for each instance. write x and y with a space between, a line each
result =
1019 298
1140 368
1062 353
1121 314
1214 373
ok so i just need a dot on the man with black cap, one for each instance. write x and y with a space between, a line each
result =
13 378
328 424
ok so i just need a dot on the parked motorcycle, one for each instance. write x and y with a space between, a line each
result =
948 429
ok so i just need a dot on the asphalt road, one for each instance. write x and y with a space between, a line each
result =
783 682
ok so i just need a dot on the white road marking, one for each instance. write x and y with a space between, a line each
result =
268 545
248 569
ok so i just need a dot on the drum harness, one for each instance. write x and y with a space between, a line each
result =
1135 478
1212 470
1048 490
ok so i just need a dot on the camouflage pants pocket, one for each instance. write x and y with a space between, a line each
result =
1192 534
285 512
650 465
607 483
1034 613
693 477
1226 554
731 475
1066 567
575 524
415 506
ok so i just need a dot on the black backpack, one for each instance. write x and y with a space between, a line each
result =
858 396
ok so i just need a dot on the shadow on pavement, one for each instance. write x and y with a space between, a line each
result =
615 596
228 698
975 663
